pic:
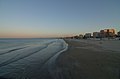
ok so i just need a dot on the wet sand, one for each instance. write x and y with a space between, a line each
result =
88 61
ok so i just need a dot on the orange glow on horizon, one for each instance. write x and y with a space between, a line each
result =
24 35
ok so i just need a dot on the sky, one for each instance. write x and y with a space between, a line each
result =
57 18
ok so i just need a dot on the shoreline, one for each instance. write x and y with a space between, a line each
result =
84 60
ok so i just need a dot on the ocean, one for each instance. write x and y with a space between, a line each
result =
25 58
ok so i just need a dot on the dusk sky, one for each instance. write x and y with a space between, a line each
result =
54 18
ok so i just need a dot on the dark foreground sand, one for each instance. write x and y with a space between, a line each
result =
87 61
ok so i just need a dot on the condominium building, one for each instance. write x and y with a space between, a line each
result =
107 33
96 34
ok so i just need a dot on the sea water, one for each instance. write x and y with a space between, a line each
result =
24 58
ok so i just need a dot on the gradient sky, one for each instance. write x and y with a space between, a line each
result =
52 18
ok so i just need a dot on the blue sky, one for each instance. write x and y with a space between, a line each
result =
54 18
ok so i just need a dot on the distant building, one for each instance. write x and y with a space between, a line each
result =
76 37
81 36
102 33
96 34
87 35
118 33
107 33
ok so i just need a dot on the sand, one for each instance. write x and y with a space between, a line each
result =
89 60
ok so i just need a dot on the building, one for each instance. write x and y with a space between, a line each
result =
87 35
118 33
102 33
107 33
96 34
81 36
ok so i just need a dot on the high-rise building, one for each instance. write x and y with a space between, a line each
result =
107 33
96 34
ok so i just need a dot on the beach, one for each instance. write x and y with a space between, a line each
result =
89 59
59 59
29 58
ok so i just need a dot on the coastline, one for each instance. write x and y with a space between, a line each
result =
84 60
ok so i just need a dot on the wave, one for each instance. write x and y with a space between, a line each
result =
20 54
31 58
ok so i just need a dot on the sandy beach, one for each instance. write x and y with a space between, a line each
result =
90 60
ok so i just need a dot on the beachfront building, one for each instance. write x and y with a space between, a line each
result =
81 36
87 35
76 37
107 33
96 34
118 33
102 33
